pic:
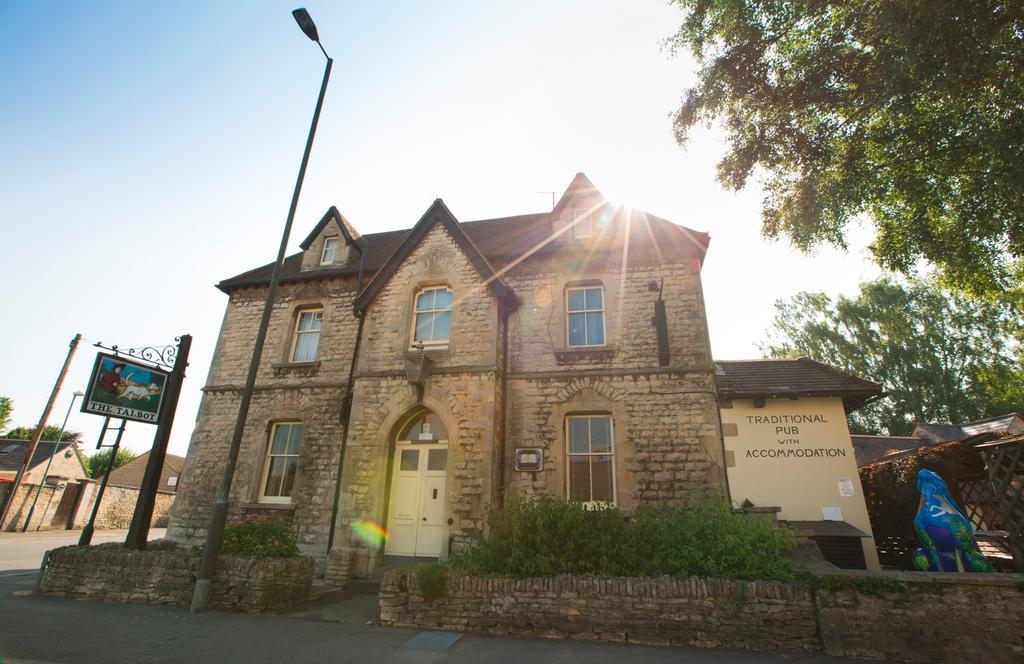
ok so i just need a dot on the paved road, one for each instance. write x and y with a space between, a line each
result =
20 552
38 629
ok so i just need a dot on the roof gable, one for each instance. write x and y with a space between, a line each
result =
437 213
347 230
792 377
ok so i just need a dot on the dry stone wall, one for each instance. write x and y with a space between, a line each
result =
931 618
118 506
166 575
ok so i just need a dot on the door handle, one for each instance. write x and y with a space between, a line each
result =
424 518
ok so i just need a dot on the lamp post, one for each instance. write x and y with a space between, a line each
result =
215 532
46 471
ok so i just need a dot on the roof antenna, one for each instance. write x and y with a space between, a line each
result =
552 197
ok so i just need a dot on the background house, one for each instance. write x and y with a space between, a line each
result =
57 496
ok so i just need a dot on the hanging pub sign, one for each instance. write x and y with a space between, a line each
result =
121 388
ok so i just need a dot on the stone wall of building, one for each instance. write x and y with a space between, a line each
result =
118 505
909 618
166 575
43 513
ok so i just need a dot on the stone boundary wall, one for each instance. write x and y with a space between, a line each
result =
898 617
118 506
165 574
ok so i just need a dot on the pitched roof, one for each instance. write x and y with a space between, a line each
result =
499 240
12 453
791 377
1009 423
131 473
868 449
437 213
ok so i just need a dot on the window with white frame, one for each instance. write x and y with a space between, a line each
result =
591 467
330 246
433 320
582 225
282 462
307 335
584 309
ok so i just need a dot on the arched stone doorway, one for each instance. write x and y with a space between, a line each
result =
416 520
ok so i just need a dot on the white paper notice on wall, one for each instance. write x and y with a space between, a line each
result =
831 514
845 487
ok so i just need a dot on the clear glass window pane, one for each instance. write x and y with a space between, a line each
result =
577 331
275 476
425 300
280 443
329 246
290 464
305 347
410 460
295 439
600 434
578 437
442 326
595 329
424 326
593 298
579 478
601 474
576 300
442 298
437 460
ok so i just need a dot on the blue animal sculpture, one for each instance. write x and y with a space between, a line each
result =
946 535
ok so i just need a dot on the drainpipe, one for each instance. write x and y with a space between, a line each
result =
503 456
346 405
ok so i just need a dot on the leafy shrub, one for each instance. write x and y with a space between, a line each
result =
263 538
432 580
547 537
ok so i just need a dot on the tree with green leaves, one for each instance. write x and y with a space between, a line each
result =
50 433
910 112
6 408
939 356
96 464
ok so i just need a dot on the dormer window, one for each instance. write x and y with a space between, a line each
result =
433 319
582 225
330 247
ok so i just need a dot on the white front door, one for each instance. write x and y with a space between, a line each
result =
416 510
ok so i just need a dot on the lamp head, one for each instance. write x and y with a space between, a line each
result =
305 22
77 393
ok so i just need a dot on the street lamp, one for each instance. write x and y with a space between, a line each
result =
46 471
215 533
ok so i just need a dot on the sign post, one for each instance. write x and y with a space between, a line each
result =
86 537
138 533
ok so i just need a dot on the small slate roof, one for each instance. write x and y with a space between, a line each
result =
131 473
12 453
499 240
944 432
868 449
791 377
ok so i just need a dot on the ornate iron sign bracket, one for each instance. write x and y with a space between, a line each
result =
161 356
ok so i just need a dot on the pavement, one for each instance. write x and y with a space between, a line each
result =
335 627
21 553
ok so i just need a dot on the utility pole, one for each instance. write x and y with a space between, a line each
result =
37 434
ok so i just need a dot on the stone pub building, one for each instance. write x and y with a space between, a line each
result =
564 353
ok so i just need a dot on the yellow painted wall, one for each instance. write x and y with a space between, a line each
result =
775 458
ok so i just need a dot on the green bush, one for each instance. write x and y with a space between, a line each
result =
432 580
264 538
547 537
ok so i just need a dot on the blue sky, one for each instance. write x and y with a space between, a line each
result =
148 150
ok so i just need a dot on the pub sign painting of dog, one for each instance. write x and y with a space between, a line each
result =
122 388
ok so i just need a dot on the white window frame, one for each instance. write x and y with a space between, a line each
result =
582 225
416 312
296 332
611 453
332 244
584 310
172 480
268 457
